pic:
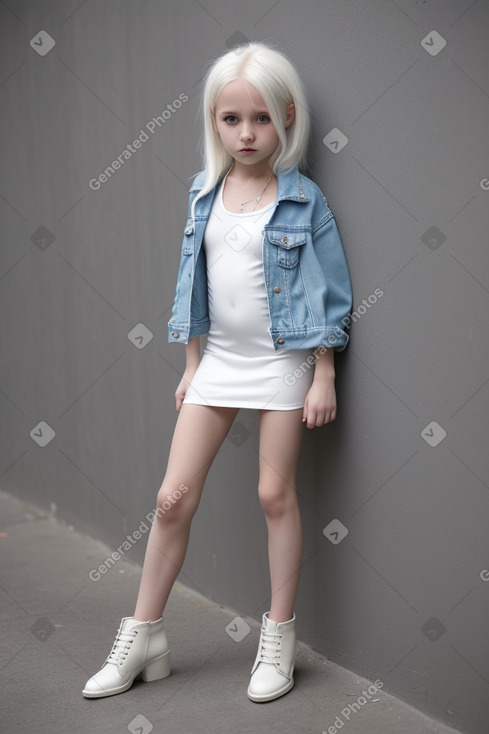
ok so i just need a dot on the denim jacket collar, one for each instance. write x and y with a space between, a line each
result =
289 186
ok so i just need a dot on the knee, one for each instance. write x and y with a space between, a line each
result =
276 498
173 503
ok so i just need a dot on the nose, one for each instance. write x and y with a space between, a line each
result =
246 132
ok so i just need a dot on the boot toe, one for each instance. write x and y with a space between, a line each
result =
266 683
92 688
104 683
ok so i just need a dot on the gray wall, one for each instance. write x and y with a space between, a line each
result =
403 597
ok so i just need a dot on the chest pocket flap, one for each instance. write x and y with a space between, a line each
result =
288 246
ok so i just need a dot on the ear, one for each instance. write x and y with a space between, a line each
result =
290 115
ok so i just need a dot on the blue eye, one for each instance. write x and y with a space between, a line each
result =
231 119
263 118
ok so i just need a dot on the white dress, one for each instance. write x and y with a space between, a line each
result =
239 367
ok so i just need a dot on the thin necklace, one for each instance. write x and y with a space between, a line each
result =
258 198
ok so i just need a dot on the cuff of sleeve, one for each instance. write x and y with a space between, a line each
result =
182 333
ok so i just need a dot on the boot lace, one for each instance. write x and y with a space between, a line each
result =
121 647
270 647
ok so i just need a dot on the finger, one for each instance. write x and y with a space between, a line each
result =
326 417
311 419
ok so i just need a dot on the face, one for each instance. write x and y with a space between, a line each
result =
243 123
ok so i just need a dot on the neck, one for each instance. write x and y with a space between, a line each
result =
260 172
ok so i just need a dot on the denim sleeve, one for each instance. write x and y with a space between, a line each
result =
332 258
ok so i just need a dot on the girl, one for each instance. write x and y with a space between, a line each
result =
264 274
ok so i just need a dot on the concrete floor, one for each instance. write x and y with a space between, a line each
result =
58 627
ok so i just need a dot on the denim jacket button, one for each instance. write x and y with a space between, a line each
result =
276 289
189 230
175 334
280 341
284 239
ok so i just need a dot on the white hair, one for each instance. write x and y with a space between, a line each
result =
278 82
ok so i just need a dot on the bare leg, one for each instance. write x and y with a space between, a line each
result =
199 433
280 442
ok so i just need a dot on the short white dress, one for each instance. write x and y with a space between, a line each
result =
239 366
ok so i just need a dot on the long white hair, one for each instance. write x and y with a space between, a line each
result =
278 82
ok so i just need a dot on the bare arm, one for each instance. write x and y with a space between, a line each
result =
192 353
320 402
192 360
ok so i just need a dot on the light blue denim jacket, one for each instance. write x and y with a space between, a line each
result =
305 269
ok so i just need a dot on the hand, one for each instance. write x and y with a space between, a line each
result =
183 386
320 403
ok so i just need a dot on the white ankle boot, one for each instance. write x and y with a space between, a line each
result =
272 672
140 650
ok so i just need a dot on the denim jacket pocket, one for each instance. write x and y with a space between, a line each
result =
287 245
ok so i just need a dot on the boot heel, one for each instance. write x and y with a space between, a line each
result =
156 669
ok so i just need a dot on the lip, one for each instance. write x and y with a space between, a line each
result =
247 150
